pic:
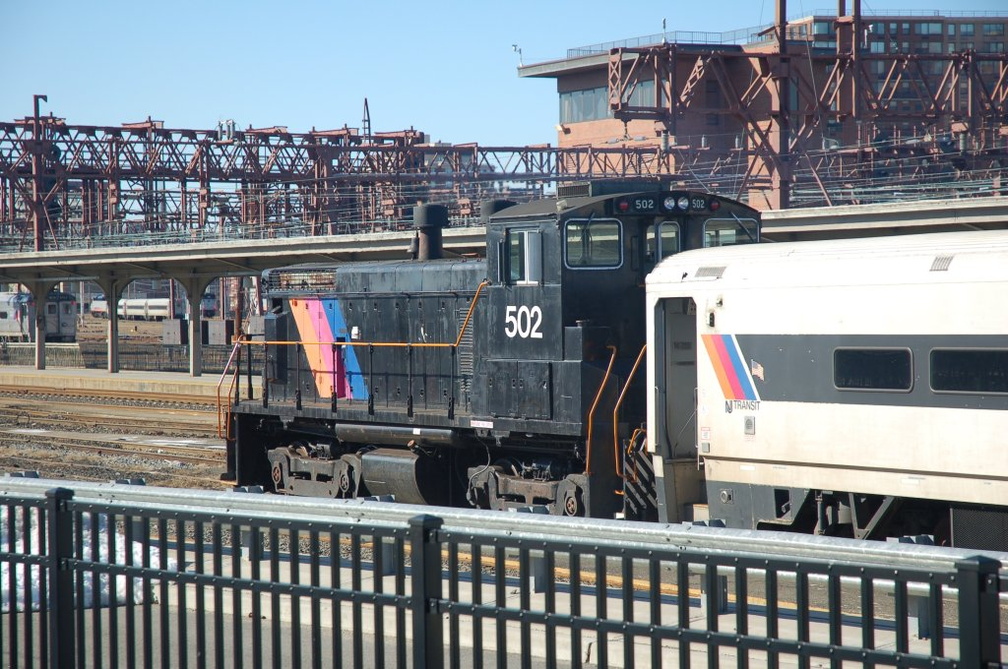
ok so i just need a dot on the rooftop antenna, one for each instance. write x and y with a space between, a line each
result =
366 122
517 50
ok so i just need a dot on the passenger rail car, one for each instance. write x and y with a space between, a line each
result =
18 313
854 388
491 382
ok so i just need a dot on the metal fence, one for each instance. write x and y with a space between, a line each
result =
119 575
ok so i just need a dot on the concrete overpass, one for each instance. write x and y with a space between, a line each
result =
195 265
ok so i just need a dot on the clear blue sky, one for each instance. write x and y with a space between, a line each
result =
446 68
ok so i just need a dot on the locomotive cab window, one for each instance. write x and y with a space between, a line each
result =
730 231
663 244
969 370
524 257
872 369
593 243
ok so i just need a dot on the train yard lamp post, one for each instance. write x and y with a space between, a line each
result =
37 173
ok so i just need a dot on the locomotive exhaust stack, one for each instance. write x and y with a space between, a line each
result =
428 221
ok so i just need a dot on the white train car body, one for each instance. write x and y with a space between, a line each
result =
149 309
18 313
849 387
141 308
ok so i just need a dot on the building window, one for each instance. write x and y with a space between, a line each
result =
969 371
967 29
712 91
593 243
994 47
950 30
872 369
822 28
643 94
928 28
993 29
589 104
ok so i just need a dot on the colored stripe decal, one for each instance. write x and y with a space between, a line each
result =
728 364
352 376
713 356
732 373
317 321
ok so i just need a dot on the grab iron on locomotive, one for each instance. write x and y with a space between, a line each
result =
640 355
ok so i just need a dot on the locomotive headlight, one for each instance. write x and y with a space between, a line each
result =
683 203
669 203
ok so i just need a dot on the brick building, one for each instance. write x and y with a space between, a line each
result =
847 108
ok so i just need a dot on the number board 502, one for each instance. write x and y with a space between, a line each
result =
523 321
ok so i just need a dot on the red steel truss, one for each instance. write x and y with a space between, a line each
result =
884 116
145 178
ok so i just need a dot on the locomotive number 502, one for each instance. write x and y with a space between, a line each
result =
523 321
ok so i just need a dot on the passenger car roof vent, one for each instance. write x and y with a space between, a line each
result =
709 272
941 263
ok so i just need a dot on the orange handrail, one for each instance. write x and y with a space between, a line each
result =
472 305
223 431
591 412
616 408
224 427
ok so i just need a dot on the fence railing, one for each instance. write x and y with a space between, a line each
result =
108 575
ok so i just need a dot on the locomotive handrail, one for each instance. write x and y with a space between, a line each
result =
472 305
591 412
224 427
615 415
386 344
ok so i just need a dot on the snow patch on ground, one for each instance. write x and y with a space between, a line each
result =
22 534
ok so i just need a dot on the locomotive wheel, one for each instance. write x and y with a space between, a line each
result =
279 470
571 499
344 483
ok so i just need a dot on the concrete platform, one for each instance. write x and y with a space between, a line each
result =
63 379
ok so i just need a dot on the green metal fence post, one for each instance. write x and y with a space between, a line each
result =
62 644
428 639
979 613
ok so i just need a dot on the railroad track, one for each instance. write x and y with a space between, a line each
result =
111 397
166 440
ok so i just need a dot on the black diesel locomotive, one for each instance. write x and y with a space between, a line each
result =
500 383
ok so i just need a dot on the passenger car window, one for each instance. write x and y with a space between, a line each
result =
872 369
969 370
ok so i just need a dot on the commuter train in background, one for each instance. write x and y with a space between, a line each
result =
151 308
18 313
640 355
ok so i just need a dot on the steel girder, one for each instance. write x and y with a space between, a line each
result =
153 179
922 98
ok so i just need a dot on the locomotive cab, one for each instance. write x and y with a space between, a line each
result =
564 334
